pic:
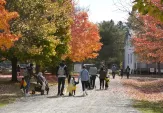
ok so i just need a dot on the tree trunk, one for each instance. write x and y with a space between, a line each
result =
70 65
158 67
14 71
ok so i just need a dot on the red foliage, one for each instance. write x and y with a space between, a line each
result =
148 45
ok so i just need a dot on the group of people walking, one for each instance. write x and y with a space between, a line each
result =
114 70
25 82
42 84
87 78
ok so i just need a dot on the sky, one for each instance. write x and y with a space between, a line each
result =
100 10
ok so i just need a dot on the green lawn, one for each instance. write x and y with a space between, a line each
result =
149 107
2 104
7 100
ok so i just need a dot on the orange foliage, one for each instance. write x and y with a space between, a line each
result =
6 38
149 45
85 41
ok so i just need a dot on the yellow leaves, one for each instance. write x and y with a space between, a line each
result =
35 50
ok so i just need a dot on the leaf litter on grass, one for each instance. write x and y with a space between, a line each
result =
147 93
10 91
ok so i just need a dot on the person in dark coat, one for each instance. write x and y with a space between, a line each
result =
18 70
113 71
121 73
102 77
128 72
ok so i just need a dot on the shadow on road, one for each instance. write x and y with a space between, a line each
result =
65 96
79 96
99 89
54 96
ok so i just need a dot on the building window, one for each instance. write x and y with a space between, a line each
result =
131 58
128 58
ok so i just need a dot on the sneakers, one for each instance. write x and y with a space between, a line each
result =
58 94
26 94
61 94
22 90
83 93
86 93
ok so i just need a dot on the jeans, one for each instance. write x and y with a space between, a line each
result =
28 86
61 81
84 85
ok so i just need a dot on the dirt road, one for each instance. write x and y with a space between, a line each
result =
112 100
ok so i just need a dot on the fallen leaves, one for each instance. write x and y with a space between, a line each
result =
146 89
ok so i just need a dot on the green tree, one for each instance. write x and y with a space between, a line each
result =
135 23
45 31
112 37
150 7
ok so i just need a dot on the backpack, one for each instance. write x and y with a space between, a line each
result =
128 70
61 70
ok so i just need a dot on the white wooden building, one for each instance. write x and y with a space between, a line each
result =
131 60
129 57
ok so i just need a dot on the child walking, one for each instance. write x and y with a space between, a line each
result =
23 86
107 82
72 86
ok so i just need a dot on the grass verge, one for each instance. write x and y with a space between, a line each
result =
146 92
149 107
9 92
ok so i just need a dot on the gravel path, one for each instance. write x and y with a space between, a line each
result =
112 100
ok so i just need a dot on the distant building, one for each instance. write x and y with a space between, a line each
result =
131 60
129 57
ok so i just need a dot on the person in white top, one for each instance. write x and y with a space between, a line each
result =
62 74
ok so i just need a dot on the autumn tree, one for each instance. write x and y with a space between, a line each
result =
45 29
6 38
148 44
85 42
150 7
